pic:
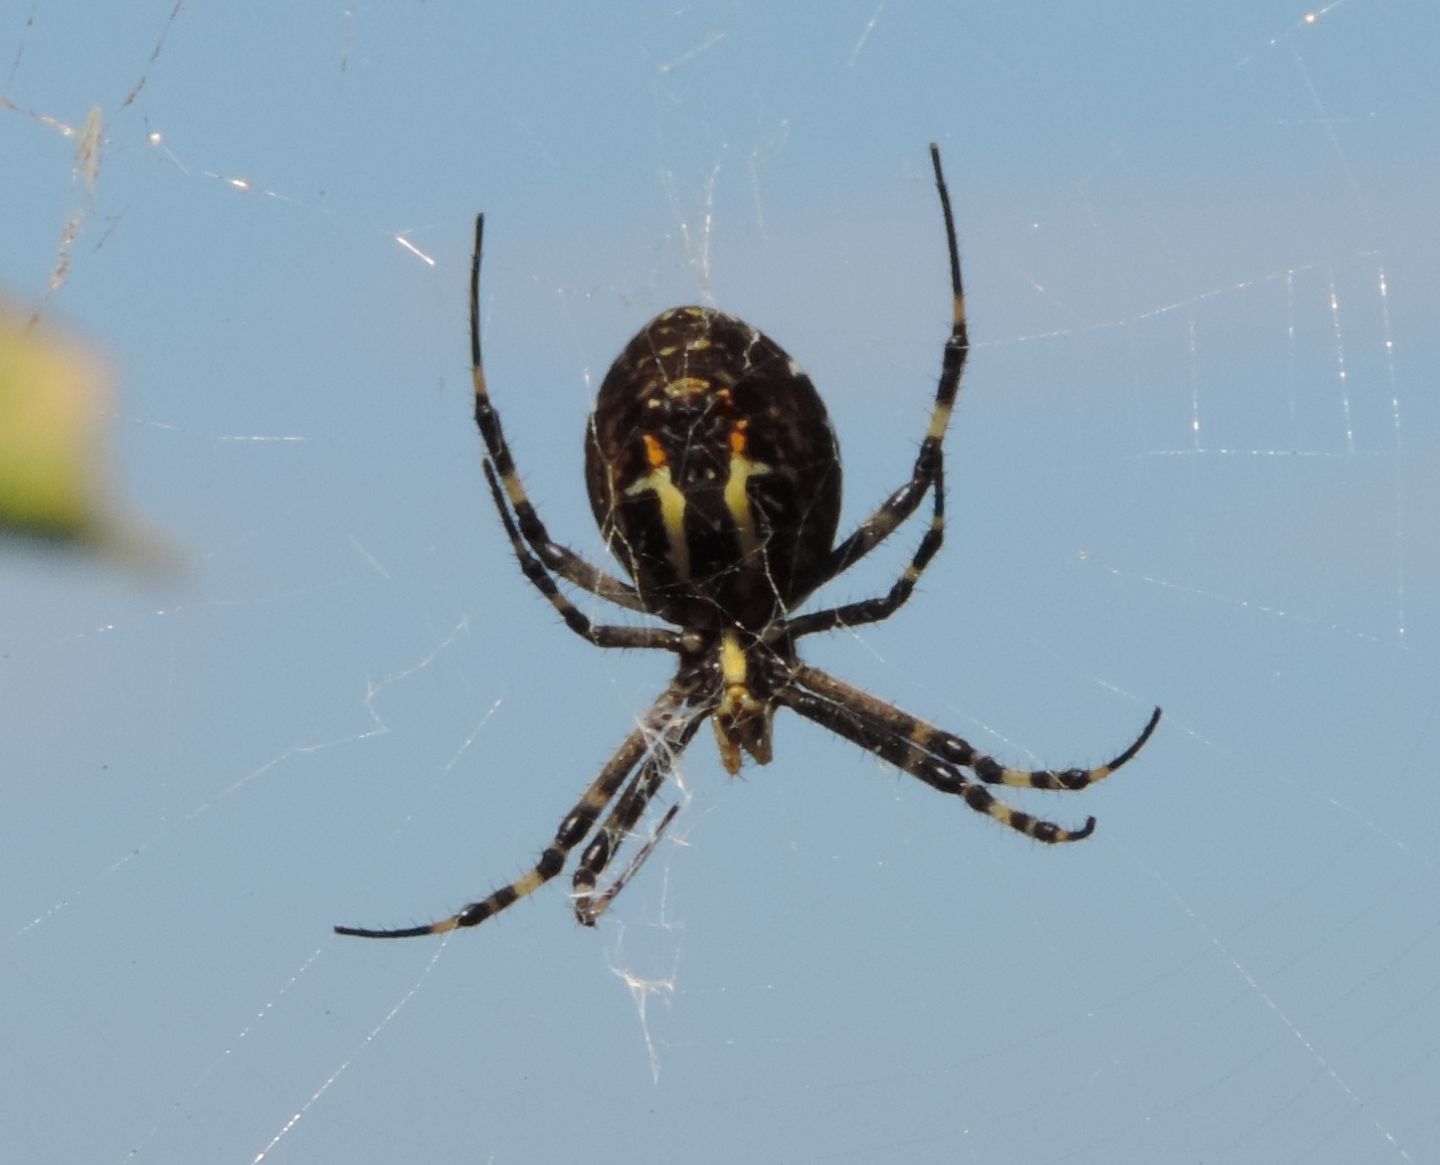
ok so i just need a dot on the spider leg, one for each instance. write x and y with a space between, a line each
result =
624 815
561 559
882 607
925 737
660 721
589 908
935 757
888 744
608 839
904 501
600 634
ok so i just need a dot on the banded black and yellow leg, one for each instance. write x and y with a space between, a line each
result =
621 821
573 830
992 772
905 500
911 745
924 737
556 557
607 841
600 634
956 750
589 908
889 745
876 609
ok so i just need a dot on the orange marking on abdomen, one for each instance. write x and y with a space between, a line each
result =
654 452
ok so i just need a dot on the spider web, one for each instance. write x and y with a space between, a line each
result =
1193 464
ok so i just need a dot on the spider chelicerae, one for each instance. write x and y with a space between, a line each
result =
714 476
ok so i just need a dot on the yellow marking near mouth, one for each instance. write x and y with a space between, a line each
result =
734 667
741 721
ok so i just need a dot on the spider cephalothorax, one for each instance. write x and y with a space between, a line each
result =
714 475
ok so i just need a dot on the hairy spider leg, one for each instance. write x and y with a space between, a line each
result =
620 821
561 559
600 634
882 607
903 502
668 722
936 757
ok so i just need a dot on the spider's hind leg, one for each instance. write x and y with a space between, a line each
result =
560 559
882 607
905 500
600 634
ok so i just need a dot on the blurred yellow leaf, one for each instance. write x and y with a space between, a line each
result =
52 394
55 478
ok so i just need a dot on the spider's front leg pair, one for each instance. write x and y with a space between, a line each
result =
938 758
653 746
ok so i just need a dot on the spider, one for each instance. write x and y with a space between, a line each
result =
714 475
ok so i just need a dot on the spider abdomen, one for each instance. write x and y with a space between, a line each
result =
713 470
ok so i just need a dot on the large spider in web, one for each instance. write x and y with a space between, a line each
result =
714 476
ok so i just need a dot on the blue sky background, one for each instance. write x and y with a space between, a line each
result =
1194 464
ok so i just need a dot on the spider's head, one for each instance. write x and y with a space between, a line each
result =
742 719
